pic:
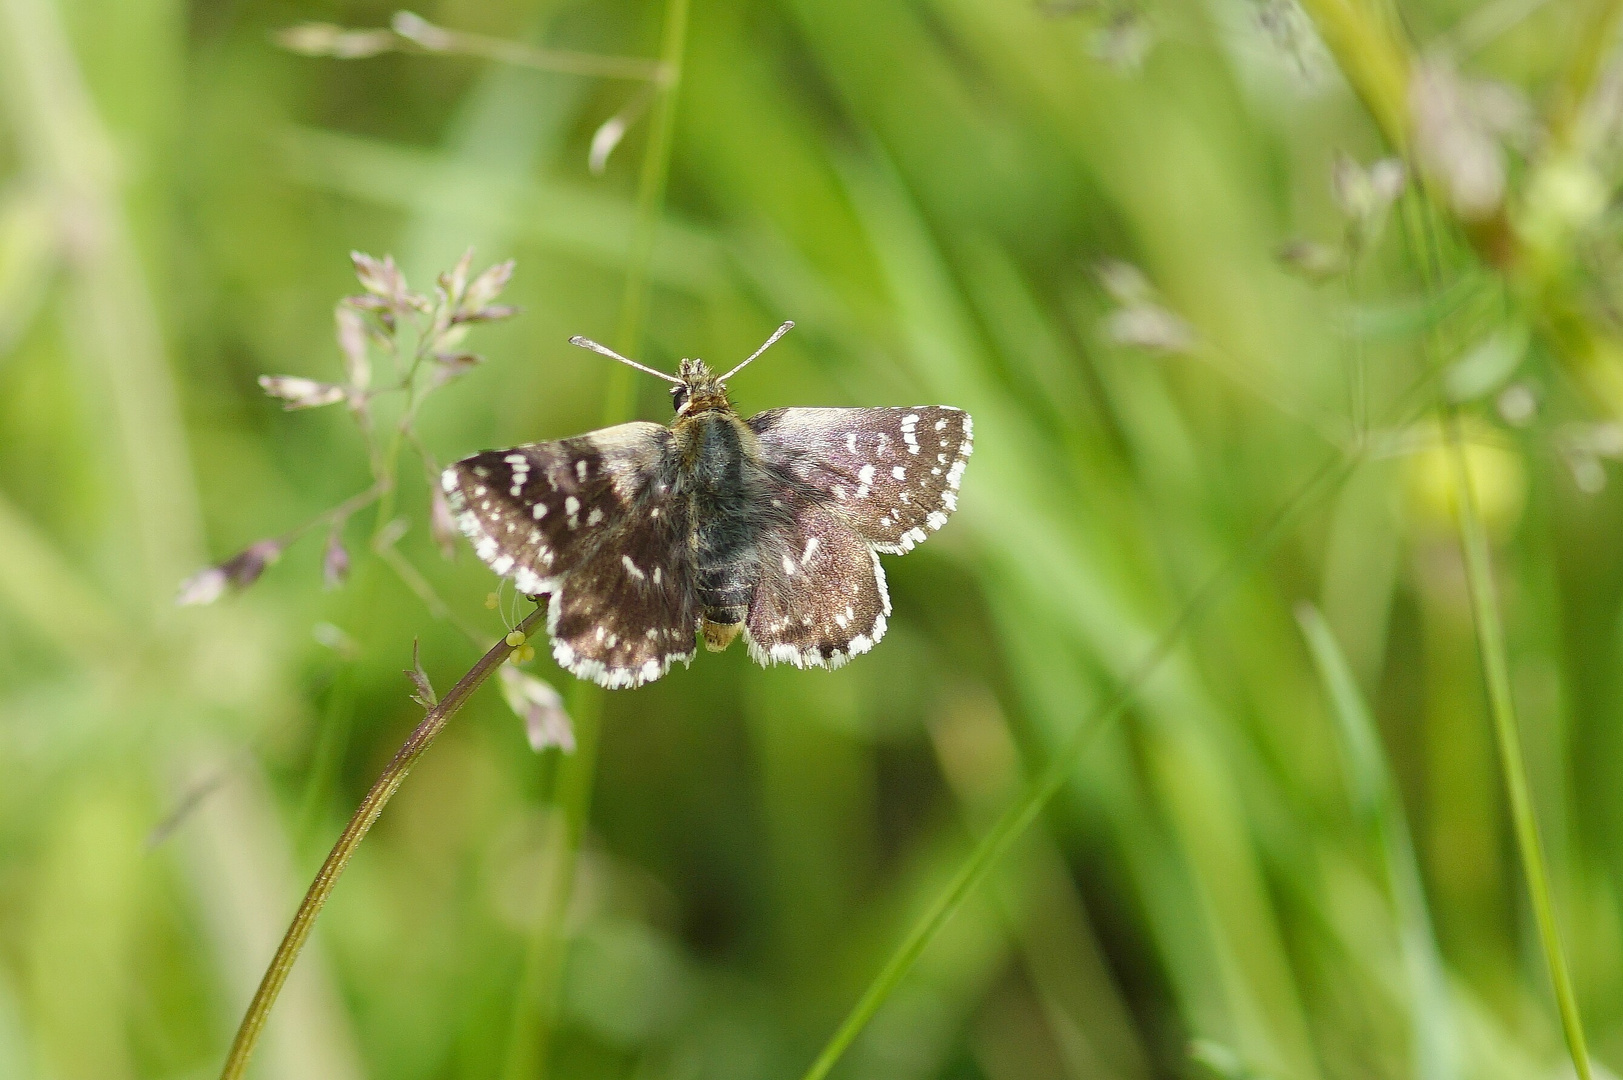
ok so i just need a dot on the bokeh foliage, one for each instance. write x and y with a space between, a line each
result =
1290 854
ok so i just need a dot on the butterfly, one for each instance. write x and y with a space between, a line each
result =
646 537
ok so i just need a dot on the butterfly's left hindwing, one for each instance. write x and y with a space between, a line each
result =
592 521
820 597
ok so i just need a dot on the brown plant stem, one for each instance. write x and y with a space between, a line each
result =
360 823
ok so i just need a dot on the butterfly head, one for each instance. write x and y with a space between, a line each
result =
700 390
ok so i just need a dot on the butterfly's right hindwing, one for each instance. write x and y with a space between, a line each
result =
594 522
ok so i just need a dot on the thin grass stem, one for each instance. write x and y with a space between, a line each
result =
437 39
619 398
1426 240
1501 703
1434 1035
535 1003
992 846
331 743
1002 835
360 823
1584 72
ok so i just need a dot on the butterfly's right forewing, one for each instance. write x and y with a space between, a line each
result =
594 522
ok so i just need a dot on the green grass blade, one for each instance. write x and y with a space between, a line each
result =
1014 820
542 976
1501 703
1380 810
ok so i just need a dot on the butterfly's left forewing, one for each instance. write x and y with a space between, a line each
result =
592 521
892 474
838 487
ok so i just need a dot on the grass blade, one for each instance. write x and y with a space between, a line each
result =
1014 820
1501 703
1380 811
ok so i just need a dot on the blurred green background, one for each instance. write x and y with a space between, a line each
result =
1290 856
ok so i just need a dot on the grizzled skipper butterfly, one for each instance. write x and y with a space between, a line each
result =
644 536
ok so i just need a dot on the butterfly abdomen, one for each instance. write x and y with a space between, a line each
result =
719 474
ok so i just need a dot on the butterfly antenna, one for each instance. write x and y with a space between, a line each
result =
604 350
776 334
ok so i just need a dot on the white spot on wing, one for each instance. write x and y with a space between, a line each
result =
910 424
632 568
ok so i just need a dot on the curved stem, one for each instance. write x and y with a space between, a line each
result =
383 789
